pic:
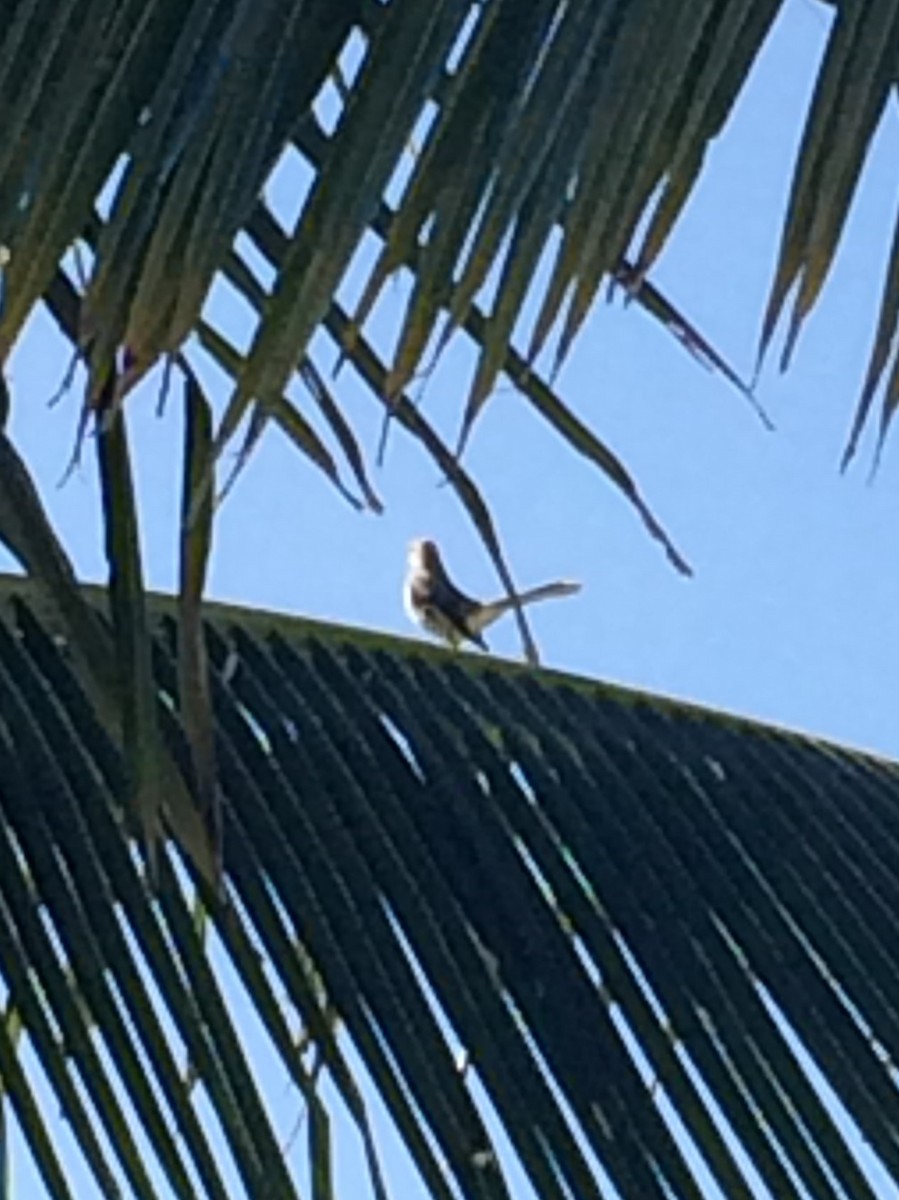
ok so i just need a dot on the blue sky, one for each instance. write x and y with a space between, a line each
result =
792 611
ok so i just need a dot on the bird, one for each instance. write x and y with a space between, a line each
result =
434 602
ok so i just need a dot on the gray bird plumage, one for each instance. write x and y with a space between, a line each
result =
434 602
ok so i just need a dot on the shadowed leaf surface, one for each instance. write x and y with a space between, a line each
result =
601 907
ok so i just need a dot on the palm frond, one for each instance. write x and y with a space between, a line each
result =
539 117
184 114
646 931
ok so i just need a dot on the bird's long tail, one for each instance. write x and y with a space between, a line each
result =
488 613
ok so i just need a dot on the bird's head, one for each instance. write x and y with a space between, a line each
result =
423 555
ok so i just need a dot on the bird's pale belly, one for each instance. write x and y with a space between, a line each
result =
431 619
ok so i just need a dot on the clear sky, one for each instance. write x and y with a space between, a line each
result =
791 615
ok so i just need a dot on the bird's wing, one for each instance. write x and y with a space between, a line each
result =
449 613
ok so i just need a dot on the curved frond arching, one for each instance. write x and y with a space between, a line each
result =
658 939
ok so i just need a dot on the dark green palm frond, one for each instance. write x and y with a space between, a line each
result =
544 115
540 119
647 932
